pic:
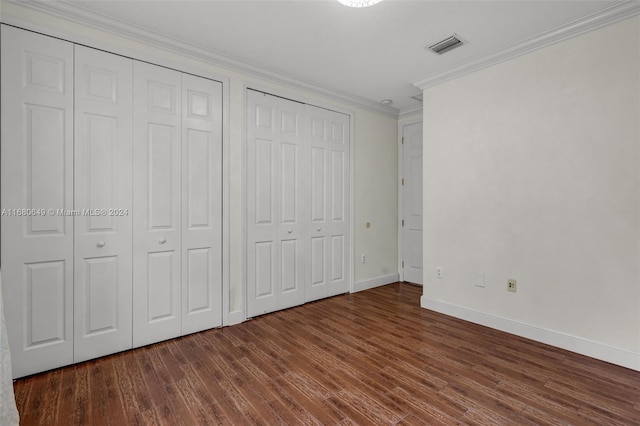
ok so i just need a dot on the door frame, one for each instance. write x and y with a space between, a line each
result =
284 93
402 123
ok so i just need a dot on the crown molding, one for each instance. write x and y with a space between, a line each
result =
408 112
610 15
75 13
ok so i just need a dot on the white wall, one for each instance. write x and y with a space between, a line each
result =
531 171
376 202
374 138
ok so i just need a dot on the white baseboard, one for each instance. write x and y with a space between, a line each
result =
571 343
376 282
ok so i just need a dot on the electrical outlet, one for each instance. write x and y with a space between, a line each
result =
439 272
511 285
363 259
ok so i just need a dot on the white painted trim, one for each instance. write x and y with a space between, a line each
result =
77 14
409 112
615 13
376 282
352 197
400 201
226 185
554 338
281 92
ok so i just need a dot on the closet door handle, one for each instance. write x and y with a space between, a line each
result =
162 240
289 231
101 244
319 229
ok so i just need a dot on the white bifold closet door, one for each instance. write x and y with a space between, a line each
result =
103 201
177 191
37 185
297 203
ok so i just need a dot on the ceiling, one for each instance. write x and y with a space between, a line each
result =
372 53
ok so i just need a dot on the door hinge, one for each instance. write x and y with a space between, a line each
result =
403 140
402 181
403 264
402 222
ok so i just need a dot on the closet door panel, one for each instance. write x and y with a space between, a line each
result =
339 208
157 226
291 148
317 281
330 203
103 203
201 204
276 203
37 190
262 166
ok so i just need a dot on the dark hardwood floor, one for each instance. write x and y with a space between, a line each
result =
373 357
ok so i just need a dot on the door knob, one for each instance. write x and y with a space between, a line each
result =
162 240
319 229
101 244
289 230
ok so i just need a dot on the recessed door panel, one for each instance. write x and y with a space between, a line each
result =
100 84
161 96
200 104
45 303
337 185
289 122
317 261
45 152
288 258
162 143
45 72
337 258
264 116
264 269
289 179
199 297
101 156
338 132
160 294
36 176
101 295
318 169
198 177
263 167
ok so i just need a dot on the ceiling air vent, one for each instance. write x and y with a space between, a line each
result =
446 45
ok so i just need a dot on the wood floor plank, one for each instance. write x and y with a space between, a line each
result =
373 357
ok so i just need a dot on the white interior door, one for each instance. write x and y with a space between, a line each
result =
103 199
37 188
412 203
157 204
329 203
275 203
201 204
